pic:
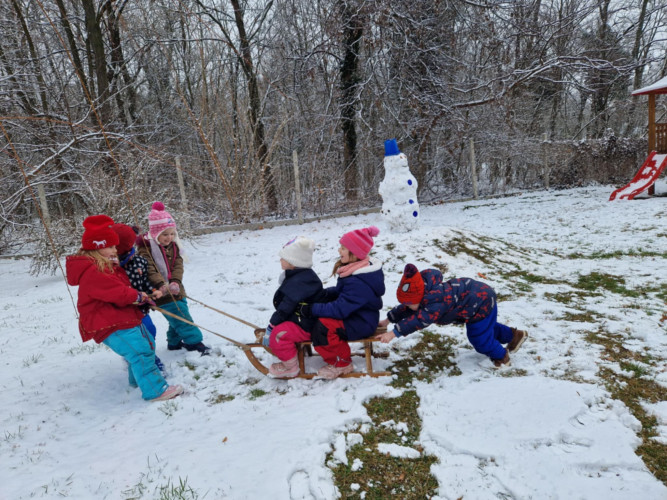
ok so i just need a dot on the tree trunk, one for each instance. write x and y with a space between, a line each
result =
349 79
96 41
255 104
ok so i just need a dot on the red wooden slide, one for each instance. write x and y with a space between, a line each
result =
643 179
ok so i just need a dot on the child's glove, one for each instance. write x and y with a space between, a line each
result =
267 335
305 310
174 288
144 299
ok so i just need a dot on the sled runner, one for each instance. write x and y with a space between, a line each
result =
304 349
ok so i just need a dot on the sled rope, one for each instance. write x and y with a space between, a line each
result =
247 323
167 313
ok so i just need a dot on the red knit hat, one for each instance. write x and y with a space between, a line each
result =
159 220
97 233
411 288
126 238
360 241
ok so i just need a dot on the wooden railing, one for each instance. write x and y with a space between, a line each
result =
661 138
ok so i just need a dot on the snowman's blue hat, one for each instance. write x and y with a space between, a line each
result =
390 147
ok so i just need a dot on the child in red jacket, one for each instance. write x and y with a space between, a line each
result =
107 306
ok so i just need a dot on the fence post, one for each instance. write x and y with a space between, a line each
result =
473 168
181 185
297 186
545 173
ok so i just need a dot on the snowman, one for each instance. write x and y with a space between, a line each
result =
398 190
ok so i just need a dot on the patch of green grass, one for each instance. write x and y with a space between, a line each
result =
180 491
582 317
428 358
442 267
216 399
257 393
561 297
617 254
382 476
514 372
638 371
594 281
633 392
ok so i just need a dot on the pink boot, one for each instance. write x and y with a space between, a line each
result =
170 392
331 372
285 369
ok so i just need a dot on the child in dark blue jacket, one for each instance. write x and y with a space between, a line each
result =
298 284
348 311
425 299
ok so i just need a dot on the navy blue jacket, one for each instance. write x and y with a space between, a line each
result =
459 300
357 300
300 285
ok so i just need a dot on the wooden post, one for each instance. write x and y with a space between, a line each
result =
181 185
297 186
651 133
473 168
545 173
42 201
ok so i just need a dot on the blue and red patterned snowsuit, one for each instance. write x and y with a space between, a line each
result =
459 300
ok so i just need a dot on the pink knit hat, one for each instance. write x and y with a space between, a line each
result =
360 241
159 220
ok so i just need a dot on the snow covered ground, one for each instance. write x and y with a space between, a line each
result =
546 428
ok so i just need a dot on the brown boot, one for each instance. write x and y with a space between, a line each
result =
501 363
518 338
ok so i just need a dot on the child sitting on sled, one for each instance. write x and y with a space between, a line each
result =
425 299
108 311
298 284
161 247
136 268
348 311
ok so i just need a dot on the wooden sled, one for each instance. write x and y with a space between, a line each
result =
304 349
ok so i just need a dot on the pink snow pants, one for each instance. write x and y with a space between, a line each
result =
285 336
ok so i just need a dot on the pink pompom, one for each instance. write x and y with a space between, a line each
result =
157 205
372 231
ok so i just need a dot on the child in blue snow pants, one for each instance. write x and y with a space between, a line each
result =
137 347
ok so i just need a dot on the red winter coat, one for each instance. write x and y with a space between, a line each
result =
105 301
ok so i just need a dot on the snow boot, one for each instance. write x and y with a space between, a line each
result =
199 347
285 369
502 363
518 338
170 392
331 372
176 347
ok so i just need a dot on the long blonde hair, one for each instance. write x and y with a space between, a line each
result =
103 265
338 264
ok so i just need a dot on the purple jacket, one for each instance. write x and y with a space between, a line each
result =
459 300
357 300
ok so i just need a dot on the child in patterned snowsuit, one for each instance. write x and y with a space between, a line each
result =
425 299
136 268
